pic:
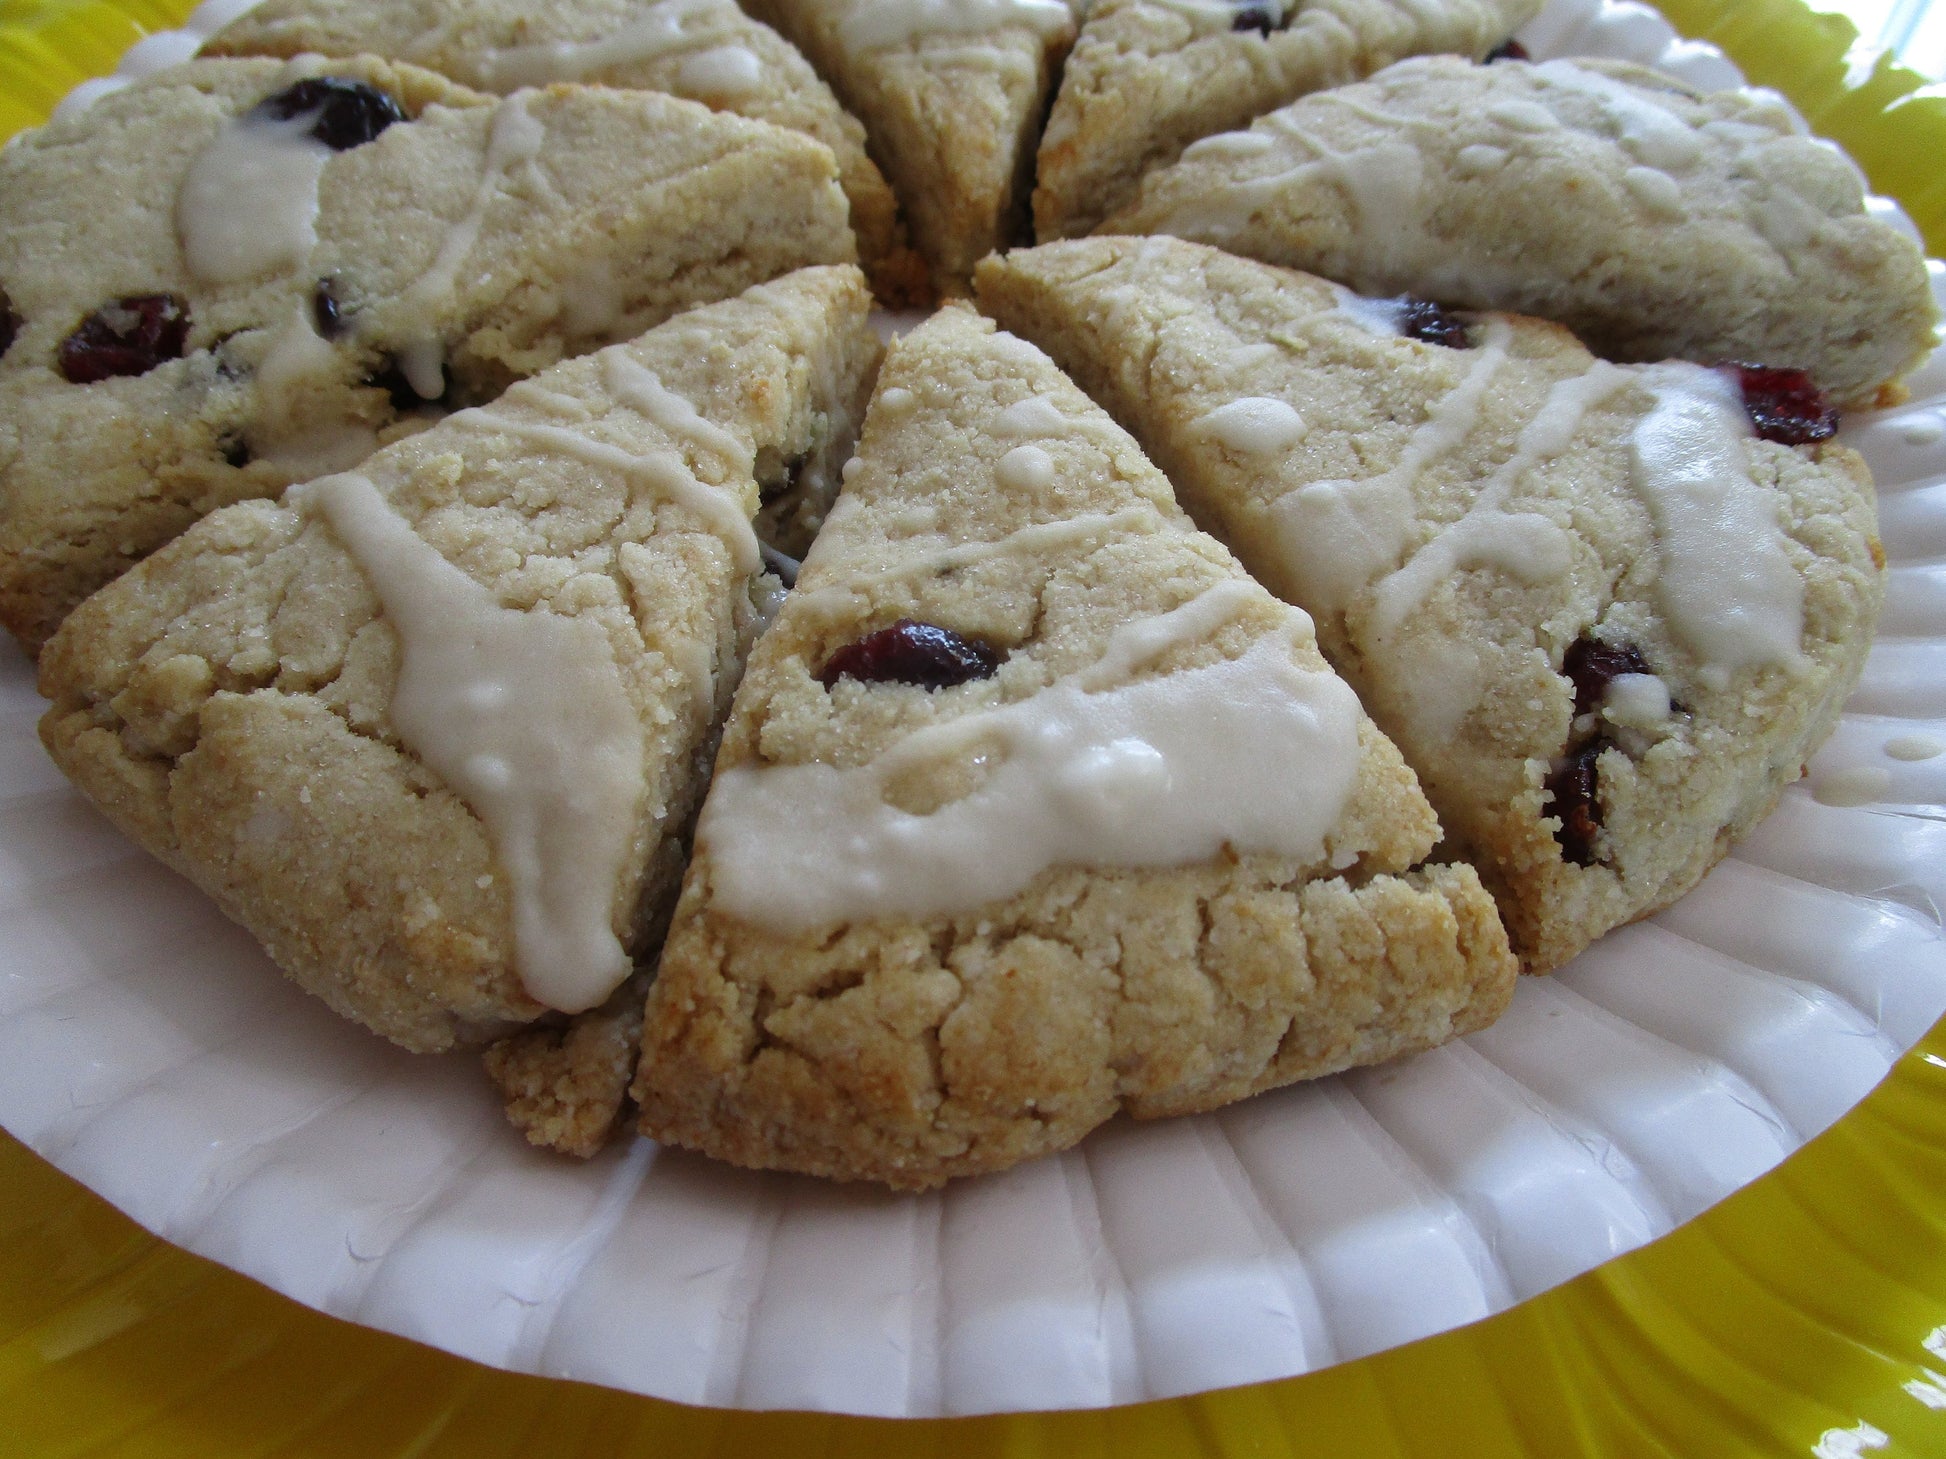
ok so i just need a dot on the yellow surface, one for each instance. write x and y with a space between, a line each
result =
1793 1319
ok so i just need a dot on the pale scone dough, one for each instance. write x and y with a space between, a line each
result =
707 51
1459 518
952 94
476 243
230 701
1148 77
945 1001
1655 221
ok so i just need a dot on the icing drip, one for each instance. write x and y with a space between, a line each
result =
1251 755
1914 747
524 714
870 25
1727 585
728 71
1334 537
663 28
1252 426
515 137
1636 701
297 359
1374 316
248 205
1025 468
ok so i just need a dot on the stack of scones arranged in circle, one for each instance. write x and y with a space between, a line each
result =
1386 532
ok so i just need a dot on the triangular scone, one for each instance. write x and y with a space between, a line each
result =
209 298
1148 77
1604 621
434 731
1140 850
704 50
952 94
1654 221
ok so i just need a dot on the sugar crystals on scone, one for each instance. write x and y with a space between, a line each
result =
1606 611
1033 807
434 730
237 274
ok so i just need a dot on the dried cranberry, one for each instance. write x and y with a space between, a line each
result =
910 652
326 311
10 322
1594 665
1572 785
1785 406
1508 50
1260 18
348 113
1423 320
128 337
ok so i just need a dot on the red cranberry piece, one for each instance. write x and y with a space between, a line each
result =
910 652
1260 18
1594 665
326 310
10 322
1785 406
1572 785
1423 320
1508 50
348 113
128 337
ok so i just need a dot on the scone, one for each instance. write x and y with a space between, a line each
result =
1654 221
703 50
434 730
952 94
1603 610
1033 807
239 274
1148 77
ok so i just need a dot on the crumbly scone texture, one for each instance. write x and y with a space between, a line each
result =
706 51
1145 79
227 702
1470 684
497 236
952 117
565 1085
1654 221
912 1050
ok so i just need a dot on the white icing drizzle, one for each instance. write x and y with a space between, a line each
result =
1219 15
1034 416
1229 144
515 137
525 716
870 25
1657 192
1727 585
1025 468
1255 425
1914 747
1649 132
662 29
297 359
1479 158
1252 754
1374 316
1855 786
1636 701
1334 537
728 71
248 205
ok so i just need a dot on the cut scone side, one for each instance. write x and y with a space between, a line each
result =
1305 430
710 53
859 1013
1147 78
230 702
1655 221
952 99
479 242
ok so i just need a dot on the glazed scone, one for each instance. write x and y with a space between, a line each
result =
703 50
1603 619
1654 221
1148 77
214 300
952 94
1033 807
434 730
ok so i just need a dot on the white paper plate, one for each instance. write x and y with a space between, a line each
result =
149 1049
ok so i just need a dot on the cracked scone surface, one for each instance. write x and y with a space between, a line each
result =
1147 78
952 97
912 1046
230 702
1654 221
1460 519
474 243
706 51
